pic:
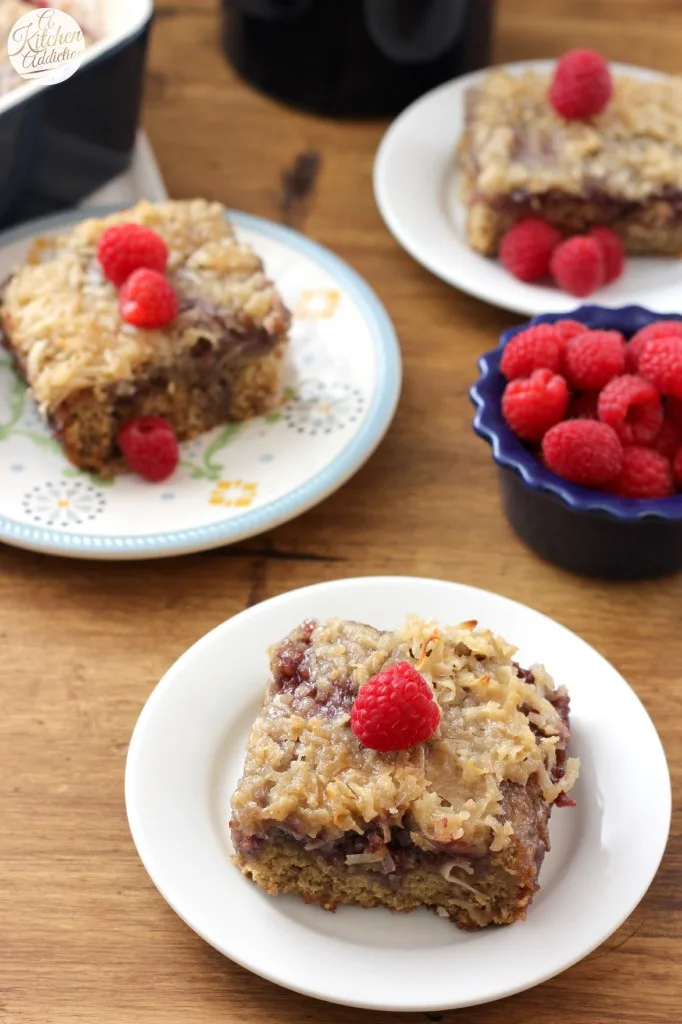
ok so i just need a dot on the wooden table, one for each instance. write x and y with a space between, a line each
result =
84 936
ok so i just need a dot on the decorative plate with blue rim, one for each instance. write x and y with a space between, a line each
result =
341 387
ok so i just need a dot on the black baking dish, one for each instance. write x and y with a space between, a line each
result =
59 143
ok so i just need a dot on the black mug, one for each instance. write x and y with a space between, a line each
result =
355 58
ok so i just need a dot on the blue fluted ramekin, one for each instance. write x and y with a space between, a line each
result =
583 530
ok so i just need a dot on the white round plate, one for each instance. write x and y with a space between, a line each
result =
417 191
342 382
186 755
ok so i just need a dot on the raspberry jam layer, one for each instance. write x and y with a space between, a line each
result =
569 213
391 852
291 674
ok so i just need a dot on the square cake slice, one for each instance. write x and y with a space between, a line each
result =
89 371
622 168
457 824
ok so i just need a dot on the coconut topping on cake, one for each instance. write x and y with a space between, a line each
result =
515 140
498 725
63 315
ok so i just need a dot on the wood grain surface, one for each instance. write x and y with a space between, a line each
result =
84 936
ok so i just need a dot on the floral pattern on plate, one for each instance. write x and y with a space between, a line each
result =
63 503
321 407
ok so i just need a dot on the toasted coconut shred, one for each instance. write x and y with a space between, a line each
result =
632 150
306 768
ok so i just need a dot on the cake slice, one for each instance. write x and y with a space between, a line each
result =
89 371
457 824
622 168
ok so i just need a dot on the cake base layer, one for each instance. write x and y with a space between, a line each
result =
651 229
288 868
204 388
472 891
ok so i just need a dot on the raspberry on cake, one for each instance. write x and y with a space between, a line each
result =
197 342
456 820
581 86
124 248
395 710
147 299
621 168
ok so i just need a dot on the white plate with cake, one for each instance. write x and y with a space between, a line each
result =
267 785
448 184
237 376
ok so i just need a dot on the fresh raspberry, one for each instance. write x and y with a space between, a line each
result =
674 410
568 329
632 406
614 254
581 86
658 329
584 407
395 710
149 447
578 265
632 351
147 300
583 451
531 405
124 248
527 247
536 348
669 438
677 468
592 359
660 361
644 473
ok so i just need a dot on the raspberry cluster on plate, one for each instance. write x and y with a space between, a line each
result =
606 412
533 250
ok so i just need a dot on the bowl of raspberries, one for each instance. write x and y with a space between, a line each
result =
584 416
